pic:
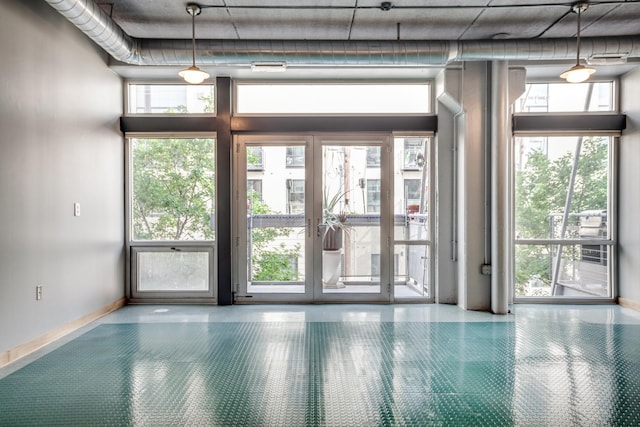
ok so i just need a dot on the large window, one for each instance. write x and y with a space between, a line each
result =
170 99
332 98
562 223
563 196
562 97
411 218
173 189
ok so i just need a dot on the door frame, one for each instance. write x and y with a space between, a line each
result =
239 226
313 207
384 141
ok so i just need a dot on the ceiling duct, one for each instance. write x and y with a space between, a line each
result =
94 22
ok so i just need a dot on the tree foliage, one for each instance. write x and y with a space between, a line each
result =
541 190
269 261
173 193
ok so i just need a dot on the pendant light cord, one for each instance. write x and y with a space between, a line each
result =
578 37
193 36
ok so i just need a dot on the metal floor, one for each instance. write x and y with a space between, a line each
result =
334 365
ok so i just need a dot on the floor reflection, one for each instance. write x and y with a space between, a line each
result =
361 365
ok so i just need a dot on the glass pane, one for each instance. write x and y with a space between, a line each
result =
170 99
373 157
411 271
173 271
295 157
566 97
580 271
255 158
333 98
557 172
173 188
276 221
411 172
562 192
351 239
373 195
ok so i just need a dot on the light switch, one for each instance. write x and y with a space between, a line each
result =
76 209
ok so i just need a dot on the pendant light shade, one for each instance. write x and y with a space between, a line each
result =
578 73
193 74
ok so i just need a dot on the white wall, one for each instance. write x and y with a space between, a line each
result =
463 93
629 191
59 144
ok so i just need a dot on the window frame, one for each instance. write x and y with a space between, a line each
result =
133 246
164 82
614 97
607 123
430 101
611 242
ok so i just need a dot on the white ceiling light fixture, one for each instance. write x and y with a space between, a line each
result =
578 73
193 74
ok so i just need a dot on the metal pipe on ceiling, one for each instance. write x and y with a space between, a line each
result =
96 24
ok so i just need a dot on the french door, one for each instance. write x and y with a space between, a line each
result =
313 218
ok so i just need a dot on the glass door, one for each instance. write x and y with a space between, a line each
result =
273 226
312 219
351 212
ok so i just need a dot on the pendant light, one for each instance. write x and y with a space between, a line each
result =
578 73
193 74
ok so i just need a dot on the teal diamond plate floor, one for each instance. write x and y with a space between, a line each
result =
542 368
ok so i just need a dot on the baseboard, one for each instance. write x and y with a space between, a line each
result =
629 303
16 353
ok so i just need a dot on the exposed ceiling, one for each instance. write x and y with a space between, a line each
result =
367 20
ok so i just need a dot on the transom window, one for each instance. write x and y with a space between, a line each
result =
332 98
170 99
566 98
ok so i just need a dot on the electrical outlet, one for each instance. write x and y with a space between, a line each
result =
38 292
76 209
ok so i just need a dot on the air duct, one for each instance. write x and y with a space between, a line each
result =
94 22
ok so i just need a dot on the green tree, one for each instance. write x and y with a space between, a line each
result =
541 189
173 192
270 262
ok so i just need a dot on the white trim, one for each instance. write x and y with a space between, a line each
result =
55 334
